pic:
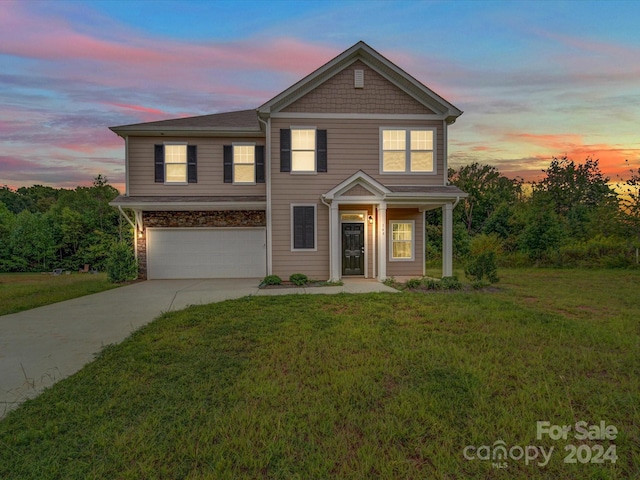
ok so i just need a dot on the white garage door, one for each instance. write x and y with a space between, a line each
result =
206 253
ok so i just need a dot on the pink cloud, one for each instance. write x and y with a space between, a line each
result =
138 108
51 38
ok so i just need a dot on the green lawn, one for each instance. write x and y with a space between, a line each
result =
23 291
353 386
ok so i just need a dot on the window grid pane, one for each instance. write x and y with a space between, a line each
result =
394 140
175 154
393 161
303 161
303 139
244 173
401 250
421 140
422 161
176 173
243 154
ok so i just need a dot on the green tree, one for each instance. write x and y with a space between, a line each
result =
7 221
39 198
13 201
487 188
569 185
543 230
32 240
630 203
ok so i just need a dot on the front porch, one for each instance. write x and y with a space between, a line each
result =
377 232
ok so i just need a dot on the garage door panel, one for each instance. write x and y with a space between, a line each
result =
206 253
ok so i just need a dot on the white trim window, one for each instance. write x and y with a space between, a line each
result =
303 227
303 149
175 163
407 150
402 240
244 164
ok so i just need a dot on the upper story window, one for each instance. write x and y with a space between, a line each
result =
303 150
407 150
244 161
176 163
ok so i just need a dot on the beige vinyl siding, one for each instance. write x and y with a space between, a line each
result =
404 268
210 168
285 261
352 145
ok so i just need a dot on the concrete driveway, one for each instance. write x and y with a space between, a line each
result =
41 346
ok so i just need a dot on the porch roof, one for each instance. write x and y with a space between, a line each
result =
420 195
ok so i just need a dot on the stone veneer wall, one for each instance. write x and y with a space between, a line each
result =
199 219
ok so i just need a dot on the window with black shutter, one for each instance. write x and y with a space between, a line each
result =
243 164
285 150
303 150
304 227
192 163
175 163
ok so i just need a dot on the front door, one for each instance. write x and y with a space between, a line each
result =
353 249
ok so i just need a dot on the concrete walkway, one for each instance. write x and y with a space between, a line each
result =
41 346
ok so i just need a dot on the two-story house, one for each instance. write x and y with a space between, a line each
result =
330 178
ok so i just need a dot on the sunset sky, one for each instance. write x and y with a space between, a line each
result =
535 79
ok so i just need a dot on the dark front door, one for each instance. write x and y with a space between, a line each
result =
353 249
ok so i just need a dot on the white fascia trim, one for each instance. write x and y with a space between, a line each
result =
358 178
359 116
188 206
126 165
445 160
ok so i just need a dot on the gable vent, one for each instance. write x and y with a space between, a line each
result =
358 78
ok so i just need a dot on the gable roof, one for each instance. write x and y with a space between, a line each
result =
246 123
360 178
242 121
363 52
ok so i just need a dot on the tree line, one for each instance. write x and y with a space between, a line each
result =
572 217
42 228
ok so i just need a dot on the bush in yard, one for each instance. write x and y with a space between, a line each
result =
299 279
431 283
414 283
450 283
481 264
481 267
272 280
121 263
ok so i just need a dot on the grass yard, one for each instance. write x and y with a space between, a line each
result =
354 386
23 291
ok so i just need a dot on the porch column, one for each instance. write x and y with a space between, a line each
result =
382 242
447 240
335 251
